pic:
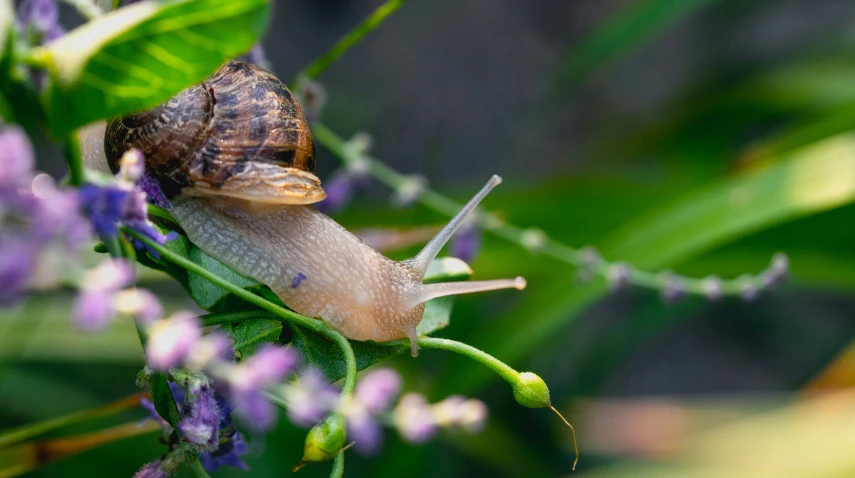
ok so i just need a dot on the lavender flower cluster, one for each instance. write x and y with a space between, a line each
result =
213 386
41 229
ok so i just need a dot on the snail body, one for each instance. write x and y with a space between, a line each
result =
236 158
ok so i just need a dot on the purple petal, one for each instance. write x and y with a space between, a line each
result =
200 424
414 419
17 262
151 470
93 310
378 389
269 365
254 407
171 340
466 244
365 433
16 156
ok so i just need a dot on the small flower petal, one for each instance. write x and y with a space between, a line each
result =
171 340
378 389
93 310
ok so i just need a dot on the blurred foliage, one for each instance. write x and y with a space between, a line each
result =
747 160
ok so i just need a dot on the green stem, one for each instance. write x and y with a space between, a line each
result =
280 312
160 213
352 38
74 158
219 318
198 470
338 466
501 368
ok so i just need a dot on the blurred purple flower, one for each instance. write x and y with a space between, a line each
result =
16 157
93 310
377 390
41 229
42 16
374 394
201 422
151 470
310 398
414 418
255 56
366 433
466 243
101 297
171 340
17 259
340 189
247 383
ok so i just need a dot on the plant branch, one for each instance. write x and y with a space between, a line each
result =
352 38
535 240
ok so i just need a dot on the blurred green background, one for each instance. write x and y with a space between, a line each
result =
701 136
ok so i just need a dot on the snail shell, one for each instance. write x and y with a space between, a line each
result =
239 134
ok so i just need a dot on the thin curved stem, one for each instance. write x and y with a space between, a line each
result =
352 38
338 466
501 368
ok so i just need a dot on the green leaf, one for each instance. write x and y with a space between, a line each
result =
326 356
163 400
249 335
140 55
203 291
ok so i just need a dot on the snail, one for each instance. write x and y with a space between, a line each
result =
236 159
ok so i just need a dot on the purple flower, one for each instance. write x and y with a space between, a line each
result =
153 192
101 297
16 157
248 381
171 341
124 203
310 398
151 470
466 243
456 411
339 191
255 56
378 389
366 433
140 303
618 276
268 365
414 419
93 310
227 454
17 258
672 288
42 15
201 422
712 288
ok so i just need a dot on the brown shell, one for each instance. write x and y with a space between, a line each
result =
240 133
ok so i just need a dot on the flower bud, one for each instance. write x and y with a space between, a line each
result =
531 391
324 441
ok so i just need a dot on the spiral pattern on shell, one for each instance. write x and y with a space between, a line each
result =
239 133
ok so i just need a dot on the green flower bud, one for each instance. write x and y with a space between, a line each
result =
531 391
324 441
